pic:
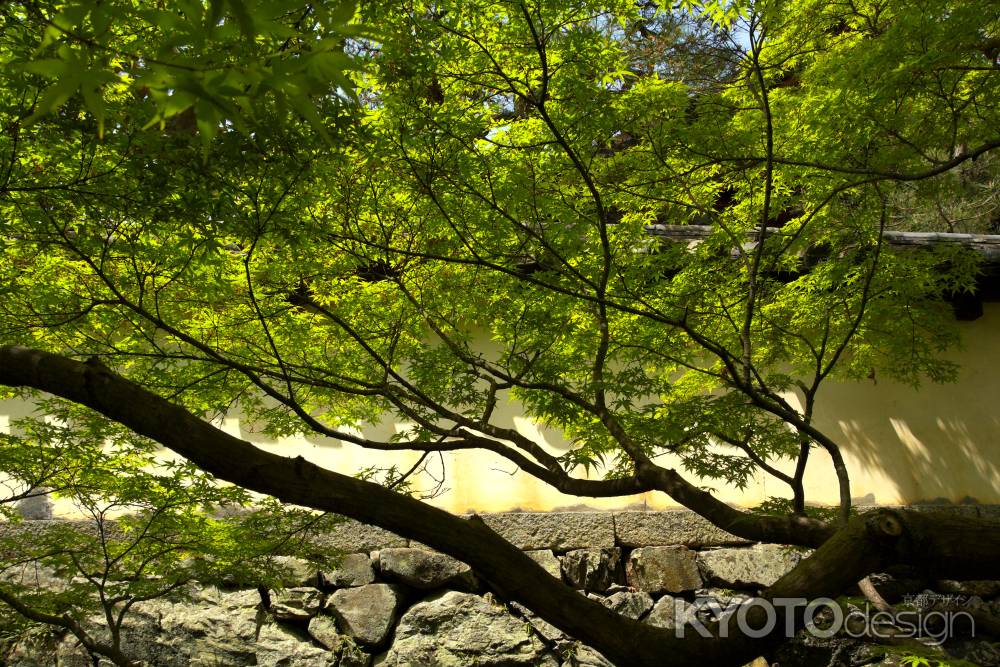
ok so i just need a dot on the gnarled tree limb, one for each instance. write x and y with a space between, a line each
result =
952 546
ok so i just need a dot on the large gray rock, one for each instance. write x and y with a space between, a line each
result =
295 571
671 527
723 596
212 628
546 630
548 561
629 604
573 652
279 647
559 531
758 566
353 570
425 570
296 604
669 612
323 629
366 613
223 626
592 569
663 570
454 629
35 508
350 536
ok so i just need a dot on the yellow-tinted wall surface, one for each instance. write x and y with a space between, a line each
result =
902 445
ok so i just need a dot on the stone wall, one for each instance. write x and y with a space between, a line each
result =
395 602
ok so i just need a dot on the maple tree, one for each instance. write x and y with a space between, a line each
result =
246 204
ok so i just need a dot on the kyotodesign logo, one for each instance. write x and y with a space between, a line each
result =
823 617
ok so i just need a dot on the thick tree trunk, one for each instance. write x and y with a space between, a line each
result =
955 547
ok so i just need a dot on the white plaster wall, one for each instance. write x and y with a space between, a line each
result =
901 445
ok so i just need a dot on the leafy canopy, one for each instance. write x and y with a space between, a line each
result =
486 217
328 214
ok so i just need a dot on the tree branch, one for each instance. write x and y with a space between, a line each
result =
965 550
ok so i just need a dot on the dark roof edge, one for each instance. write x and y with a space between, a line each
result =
987 245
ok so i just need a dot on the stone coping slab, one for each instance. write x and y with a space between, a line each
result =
556 531
670 527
